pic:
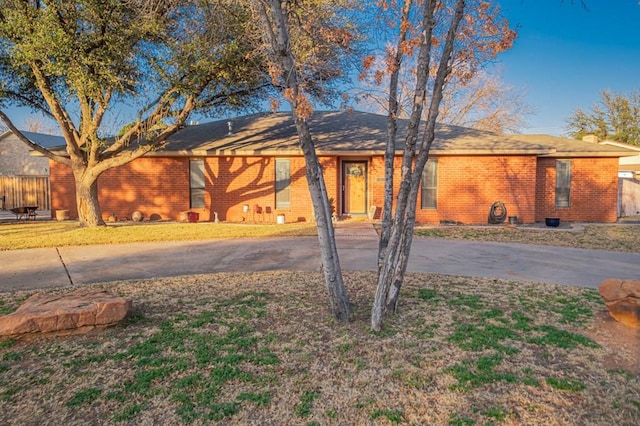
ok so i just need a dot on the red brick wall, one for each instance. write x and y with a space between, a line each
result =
468 186
236 181
594 190
159 186
154 186
62 189
233 182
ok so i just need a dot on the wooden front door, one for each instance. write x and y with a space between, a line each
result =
354 187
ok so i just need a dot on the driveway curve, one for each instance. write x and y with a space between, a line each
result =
55 267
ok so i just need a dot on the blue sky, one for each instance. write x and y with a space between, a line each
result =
565 55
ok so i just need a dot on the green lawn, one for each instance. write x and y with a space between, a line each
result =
261 348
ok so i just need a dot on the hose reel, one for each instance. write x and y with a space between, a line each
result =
497 213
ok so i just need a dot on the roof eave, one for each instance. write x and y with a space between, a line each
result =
62 152
488 152
338 153
599 154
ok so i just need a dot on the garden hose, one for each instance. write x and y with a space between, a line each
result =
497 213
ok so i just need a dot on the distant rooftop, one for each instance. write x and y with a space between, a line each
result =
47 141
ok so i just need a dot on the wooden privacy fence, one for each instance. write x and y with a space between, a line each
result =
20 191
628 197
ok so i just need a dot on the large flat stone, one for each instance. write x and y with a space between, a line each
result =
622 298
80 310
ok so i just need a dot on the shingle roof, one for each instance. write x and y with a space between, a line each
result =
332 132
617 144
350 133
576 148
353 132
47 141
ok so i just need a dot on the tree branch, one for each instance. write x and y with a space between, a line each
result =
31 103
162 104
47 153
69 131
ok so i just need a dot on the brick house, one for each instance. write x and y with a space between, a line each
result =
251 169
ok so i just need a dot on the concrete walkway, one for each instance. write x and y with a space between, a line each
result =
357 244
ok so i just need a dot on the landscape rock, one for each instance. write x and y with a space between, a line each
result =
622 298
79 311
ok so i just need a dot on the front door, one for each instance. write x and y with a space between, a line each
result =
354 187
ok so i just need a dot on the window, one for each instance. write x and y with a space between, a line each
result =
563 183
283 184
430 185
196 184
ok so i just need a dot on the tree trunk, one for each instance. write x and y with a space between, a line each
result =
89 212
389 227
390 149
275 33
404 246
394 257
337 292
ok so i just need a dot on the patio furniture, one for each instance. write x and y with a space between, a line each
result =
27 212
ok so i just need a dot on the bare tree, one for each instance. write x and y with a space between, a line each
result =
482 102
485 102
304 46
451 38
39 124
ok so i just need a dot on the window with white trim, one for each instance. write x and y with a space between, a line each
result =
430 185
196 184
563 183
283 183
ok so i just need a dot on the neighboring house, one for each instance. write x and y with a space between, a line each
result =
629 180
14 154
24 179
630 164
251 169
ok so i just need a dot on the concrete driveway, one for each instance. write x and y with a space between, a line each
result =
55 267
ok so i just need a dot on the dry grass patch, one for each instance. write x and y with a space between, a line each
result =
58 234
260 348
618 237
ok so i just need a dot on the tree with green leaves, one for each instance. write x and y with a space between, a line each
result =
77 61
615 117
